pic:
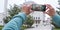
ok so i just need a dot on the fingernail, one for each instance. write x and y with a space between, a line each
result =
47 10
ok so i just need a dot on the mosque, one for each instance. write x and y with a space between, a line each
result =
42 21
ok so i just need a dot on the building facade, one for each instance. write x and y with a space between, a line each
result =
42 21
37 17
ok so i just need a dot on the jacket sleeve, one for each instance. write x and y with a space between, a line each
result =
16 22
56 20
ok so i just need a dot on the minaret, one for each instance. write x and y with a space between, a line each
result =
25 0
5 7
28 0
5 10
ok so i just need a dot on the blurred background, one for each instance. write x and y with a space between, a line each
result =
9 8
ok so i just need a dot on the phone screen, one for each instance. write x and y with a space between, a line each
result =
37 7
43 7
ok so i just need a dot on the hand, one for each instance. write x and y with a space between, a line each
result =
50 10
26 8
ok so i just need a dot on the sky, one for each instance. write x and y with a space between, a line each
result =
54 3
1 6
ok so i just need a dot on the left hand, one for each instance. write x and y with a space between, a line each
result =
26 8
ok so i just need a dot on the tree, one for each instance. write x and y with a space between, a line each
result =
58 12
58 7
29 22
12 11
15 10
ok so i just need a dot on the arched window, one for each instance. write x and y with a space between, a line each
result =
34 18
0 21
38 18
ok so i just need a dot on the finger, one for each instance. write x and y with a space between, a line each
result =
29 7
46 6
31 11
49 6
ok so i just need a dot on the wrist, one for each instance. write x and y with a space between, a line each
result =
25 13
54 15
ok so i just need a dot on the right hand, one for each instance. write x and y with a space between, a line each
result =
50 10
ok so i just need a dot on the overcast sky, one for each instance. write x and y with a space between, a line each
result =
54 3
